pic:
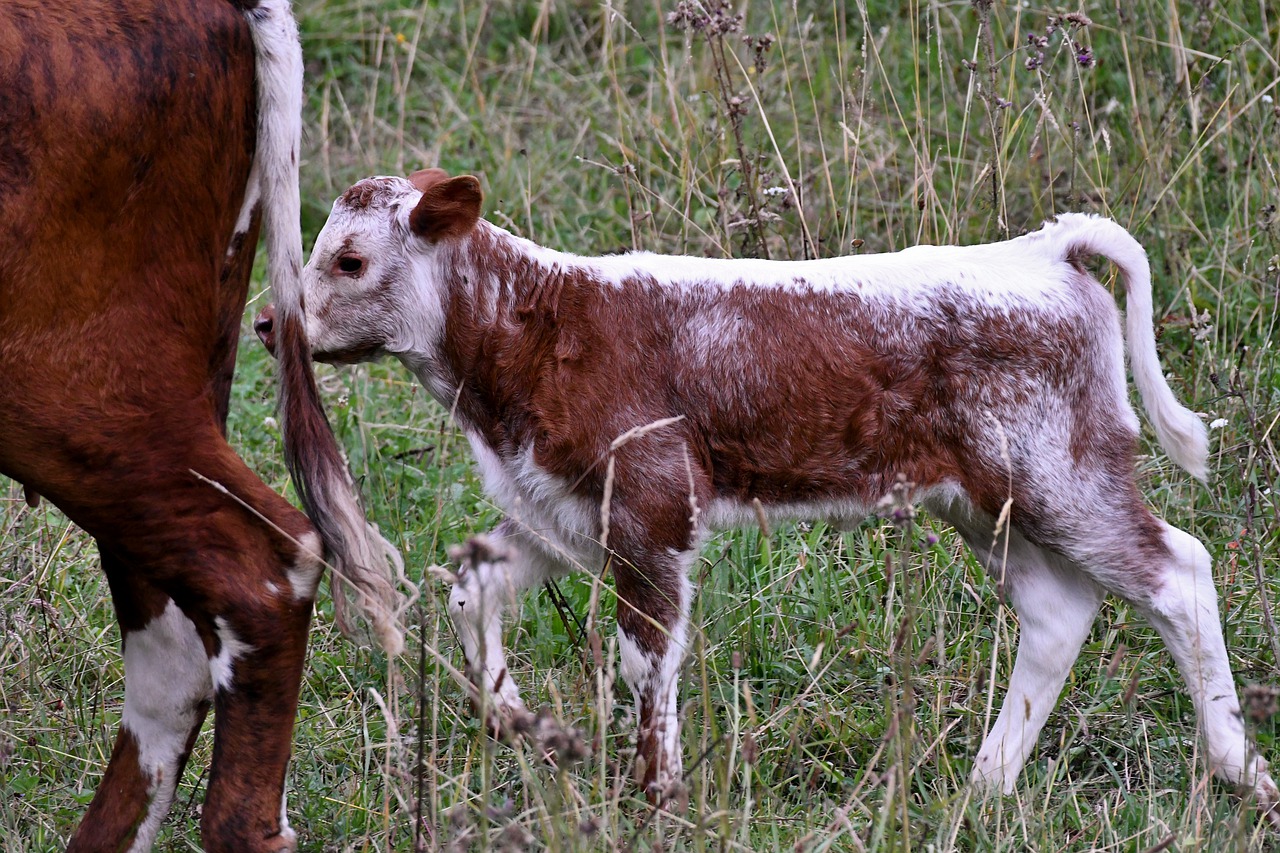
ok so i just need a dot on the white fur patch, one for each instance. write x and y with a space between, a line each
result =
222 665
278 55
476 603
252 195
286 832
539 502
166 679
1027 273
304 576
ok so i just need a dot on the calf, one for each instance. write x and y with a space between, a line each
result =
621 407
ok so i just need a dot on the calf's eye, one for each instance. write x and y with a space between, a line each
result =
350 265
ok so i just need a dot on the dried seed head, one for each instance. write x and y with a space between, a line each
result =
1261 702
564 745
896 506
476 550
514 838
712 19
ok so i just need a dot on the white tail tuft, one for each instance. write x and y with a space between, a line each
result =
1179 431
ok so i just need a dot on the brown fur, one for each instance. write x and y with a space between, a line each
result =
830 409
555 373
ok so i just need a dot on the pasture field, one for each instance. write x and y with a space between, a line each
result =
812 719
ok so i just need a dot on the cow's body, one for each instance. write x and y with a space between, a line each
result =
621 407
128 221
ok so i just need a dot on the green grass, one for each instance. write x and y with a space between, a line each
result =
598 127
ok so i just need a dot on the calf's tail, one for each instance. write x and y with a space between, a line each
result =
1178 429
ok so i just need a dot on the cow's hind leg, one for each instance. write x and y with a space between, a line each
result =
214 586
259 621
168 691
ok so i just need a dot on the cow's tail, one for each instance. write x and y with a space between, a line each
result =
365 566
1180 432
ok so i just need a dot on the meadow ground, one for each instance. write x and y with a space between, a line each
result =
794 130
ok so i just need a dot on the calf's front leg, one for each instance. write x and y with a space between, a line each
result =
654 595
494 569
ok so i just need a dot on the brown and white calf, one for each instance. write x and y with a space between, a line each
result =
143 145
621 407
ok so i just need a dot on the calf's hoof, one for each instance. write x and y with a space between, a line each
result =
662 789
990 777
1268 799
505 724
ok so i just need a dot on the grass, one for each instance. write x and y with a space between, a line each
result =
865 126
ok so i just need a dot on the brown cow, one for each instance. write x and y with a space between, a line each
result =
132 164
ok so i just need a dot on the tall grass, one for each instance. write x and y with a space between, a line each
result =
812 719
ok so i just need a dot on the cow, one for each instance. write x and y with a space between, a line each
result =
621 407
144 145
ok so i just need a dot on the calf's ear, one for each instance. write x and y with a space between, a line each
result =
424 179
448 208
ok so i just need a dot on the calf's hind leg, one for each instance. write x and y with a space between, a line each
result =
1056 606
1183 607
1167 575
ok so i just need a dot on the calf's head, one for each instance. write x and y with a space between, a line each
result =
370 287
